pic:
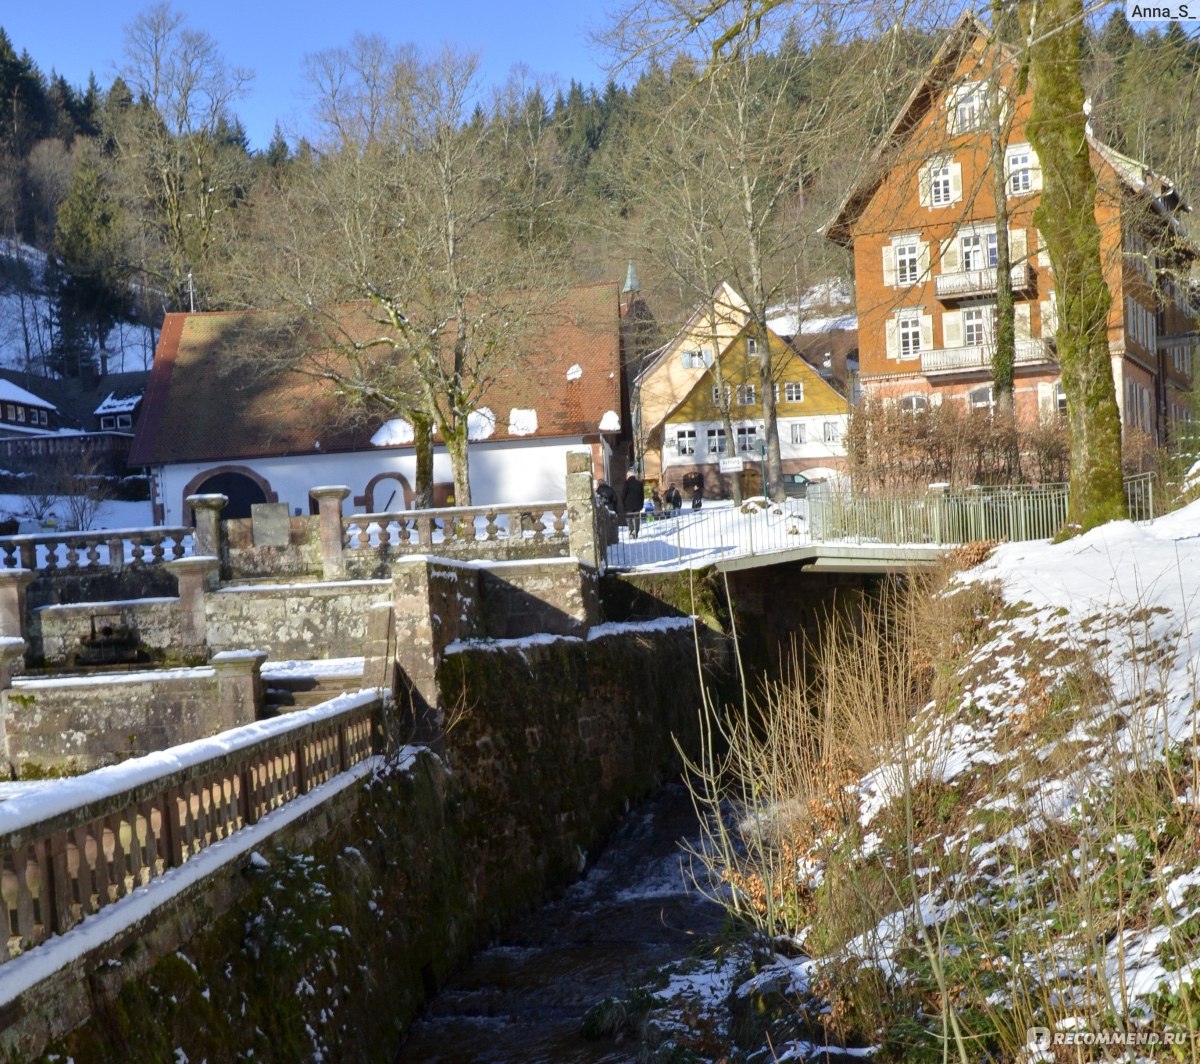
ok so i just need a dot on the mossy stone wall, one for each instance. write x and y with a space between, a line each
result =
330 949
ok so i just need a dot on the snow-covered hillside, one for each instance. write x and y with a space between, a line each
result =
28 314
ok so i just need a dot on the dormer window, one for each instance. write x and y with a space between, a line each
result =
698 358
751 348
968 108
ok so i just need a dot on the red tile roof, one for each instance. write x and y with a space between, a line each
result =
203 405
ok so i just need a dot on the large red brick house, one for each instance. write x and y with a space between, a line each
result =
921 224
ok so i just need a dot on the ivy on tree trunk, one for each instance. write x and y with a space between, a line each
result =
1067 220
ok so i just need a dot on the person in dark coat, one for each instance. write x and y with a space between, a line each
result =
673 500
633 498
697 497
606 496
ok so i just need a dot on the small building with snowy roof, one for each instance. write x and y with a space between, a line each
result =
209 424
23 413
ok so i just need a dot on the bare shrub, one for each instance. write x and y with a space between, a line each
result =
891 448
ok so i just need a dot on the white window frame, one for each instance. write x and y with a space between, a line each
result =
832 431
1020 171
977 249
908 262
968 109
799 433
941 185
751 347
747 439
685 441
793 391
915 403
747 394
697 358
982 398
108 423
975 330
715 440
716 395
908 332
124 421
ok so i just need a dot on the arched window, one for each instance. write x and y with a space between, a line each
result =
913 404
982 398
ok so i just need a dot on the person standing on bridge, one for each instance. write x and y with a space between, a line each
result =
633 498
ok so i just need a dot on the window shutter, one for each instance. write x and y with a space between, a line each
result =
923 260
1022 328
923 189
955 183
1049 317
889 264
926 332
952 332
1047 399
1018 249
892 335
951 257
1035 172
1043 254
935 399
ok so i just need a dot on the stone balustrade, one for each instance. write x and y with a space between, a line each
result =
114 549
535 524
68 853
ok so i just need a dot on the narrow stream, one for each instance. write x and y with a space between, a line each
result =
523 999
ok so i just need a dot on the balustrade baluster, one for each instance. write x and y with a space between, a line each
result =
25 927
118 865
172 829
136 553
92 553
58 894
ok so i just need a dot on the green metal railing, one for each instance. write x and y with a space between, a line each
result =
943 516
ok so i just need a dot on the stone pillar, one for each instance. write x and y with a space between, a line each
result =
12 650
239 687
195 575
207 510
583 535
379 649
329 500
13 583
417 655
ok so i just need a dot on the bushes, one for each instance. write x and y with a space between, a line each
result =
892 448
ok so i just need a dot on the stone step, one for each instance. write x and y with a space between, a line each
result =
299 690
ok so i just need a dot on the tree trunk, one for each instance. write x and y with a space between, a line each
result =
457 447
423 447
1067 220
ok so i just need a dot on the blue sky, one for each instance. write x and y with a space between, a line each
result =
74 37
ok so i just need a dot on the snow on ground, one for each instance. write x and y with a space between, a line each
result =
113 513
1085 683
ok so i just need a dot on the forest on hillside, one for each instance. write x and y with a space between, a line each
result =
140 196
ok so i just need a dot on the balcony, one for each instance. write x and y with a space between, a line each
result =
966 283
968 359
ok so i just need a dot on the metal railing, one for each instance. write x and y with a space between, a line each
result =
60 868
938 516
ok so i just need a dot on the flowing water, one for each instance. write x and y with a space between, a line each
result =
523 999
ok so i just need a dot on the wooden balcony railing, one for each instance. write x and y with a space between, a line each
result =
979 356
963 283
63 858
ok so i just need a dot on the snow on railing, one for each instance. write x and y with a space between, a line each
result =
70 852
127 548
418 530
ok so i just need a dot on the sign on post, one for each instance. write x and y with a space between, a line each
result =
731 465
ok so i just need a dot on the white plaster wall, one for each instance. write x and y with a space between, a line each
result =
813 449
531 471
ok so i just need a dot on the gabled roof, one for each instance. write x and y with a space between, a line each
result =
966 29
199 407
14 393
725 298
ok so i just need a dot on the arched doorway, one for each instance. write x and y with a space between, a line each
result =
385 493
241 491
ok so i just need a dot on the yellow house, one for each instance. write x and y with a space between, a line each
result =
710 367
